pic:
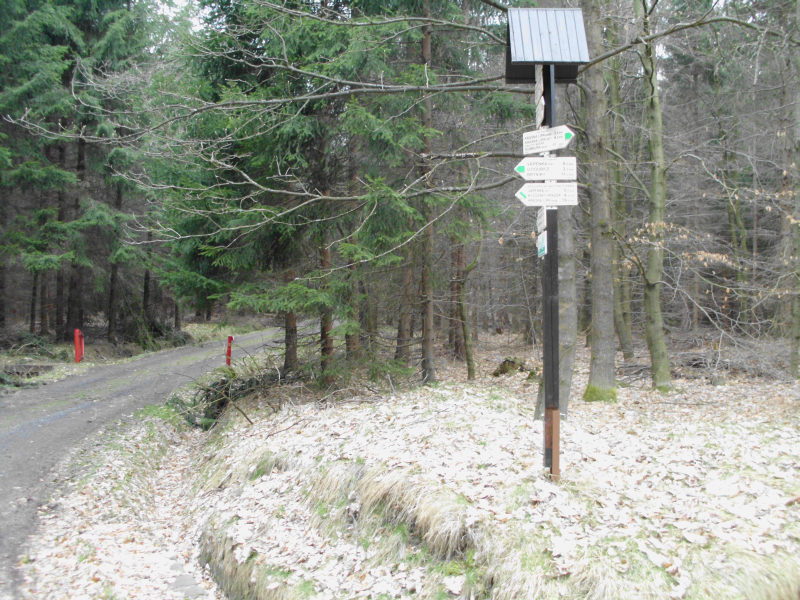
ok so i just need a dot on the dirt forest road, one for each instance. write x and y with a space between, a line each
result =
40 426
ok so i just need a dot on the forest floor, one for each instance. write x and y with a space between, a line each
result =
438 492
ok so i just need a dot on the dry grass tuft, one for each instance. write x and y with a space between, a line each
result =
438 516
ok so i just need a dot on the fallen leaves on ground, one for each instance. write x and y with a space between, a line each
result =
440 492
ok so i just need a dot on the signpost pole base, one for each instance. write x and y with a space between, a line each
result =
552 419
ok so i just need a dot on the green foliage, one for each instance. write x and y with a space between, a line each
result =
293 297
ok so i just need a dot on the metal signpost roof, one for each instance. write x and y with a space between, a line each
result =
547 36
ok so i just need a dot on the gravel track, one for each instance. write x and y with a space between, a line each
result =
40 426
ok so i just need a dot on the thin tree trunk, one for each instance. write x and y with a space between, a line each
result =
352 338
792 186
462 313
290 334
2 294
622 287
75 287
34 286
403 348
146 292
455 335
428 366
176 322
2 271
44 325
146 297
58 309
368 315
112 283
654 321
326 325
601 385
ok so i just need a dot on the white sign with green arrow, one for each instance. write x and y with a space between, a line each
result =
534 168
548 194
545 140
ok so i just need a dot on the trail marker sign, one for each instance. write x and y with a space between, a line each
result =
541 244
537 168
546 140
549 194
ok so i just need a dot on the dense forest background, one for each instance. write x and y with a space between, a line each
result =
351 162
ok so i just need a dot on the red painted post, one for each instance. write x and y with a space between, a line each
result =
78 345
228 352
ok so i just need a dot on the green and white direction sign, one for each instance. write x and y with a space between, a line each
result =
539 168
563 193
545 140
541 244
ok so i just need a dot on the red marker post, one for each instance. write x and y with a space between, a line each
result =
79 345
228 352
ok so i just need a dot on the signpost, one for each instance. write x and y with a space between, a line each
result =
545 140
546 45
541 168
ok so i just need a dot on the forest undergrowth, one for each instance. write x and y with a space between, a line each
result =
439 492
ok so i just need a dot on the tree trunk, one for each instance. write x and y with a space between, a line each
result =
792 191
326 325
58 309
403 348
601 385
34 286
146 291
146 297
112 283
352 337
44 325
75 287
654 322
462 313
428 366
622 286
2 293
290 334
176 322
368 316
2 271
455 334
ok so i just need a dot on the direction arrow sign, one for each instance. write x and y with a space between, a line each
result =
534 168
548 194
545 140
